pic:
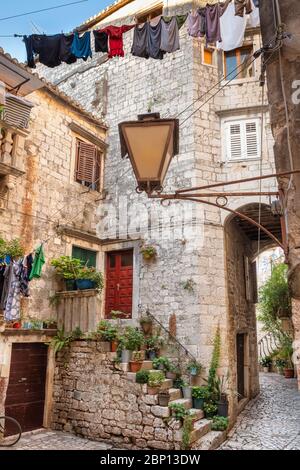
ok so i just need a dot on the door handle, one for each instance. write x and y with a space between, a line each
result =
118 286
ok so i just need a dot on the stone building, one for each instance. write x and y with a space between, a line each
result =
204 272
42 201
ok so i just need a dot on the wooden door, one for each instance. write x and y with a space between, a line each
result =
119 280
240 353
25 398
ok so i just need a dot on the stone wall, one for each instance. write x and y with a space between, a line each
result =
94 400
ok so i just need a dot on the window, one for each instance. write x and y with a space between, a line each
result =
209 55
88 164
238 58
88 257
149 15
242 139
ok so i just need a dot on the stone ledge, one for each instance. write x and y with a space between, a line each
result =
78 293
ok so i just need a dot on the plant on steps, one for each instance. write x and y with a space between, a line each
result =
266 363
186 431
200 395
142 376
134 338
210 409
153 344
162 363
178 410
194 367
179 383
60 341
136 361
215 361
219 423
155 380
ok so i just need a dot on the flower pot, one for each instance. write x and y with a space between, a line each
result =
289 373
135 366
70 284
152 390
198 403
126 355
151 355
193 371
85 284
163 399
187 392
223 408
114 346
17 325
266 370
171 375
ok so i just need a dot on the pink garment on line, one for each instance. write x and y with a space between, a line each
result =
115 39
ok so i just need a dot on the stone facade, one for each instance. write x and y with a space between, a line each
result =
189 240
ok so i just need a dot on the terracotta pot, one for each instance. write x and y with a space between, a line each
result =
289 373
135 366
17 325
152 390
114 346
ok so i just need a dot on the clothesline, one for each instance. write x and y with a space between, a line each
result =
221 24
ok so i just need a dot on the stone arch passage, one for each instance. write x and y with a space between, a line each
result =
241 251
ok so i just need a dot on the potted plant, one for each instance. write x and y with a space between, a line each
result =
50 324
266 363
142 376
178 383
155 380
219 391
68 268
162 363
148 252
219 423
110 333
210 409
200 396
286 353
280 365
131 340
136 361
186 390
194 367
153 344
173 371
146 323
178 411
89 278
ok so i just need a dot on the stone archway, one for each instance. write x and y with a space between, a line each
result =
241 250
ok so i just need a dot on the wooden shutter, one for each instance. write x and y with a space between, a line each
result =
234 141
88 164
243 140
251 136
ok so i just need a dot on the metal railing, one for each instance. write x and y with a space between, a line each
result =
267 345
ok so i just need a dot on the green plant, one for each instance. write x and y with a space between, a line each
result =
110 333
93 275
280 363
76 334
162 361
201 392
142 376
266 361
102 328
12 248
210 408
287 351
219 423
186 431
154 343
134 338
180 383
156 378
148 251
60 341
138 356
178 410
274 300
67 267
146 320
215 361
194 366
189 285
54 300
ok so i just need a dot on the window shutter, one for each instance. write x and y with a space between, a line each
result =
252 139
88 163
235 141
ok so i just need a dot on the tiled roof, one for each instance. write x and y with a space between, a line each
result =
56 92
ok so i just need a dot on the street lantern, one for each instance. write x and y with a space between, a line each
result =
150 143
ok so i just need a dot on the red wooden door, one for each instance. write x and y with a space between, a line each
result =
25 396
119 277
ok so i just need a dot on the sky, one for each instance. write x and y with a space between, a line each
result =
49 22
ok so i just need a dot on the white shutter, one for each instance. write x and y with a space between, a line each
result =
242 139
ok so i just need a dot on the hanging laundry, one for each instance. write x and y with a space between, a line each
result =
13 301
170 27
242 6
5 286
81 46
212 20
101 41
232 29
115 39
38 262
254 17
195 24
46 47
24 276
140 41
65 53
2 270
154 40
256 3
202 14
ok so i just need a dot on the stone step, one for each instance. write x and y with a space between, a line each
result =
175 394
131 376
187 403
196 414
167 384
210 441
111 356
147 365
201 427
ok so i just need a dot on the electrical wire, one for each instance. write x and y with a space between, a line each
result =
42 10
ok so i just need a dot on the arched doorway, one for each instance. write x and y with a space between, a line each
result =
243 243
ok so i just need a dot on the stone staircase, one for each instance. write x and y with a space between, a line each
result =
201 437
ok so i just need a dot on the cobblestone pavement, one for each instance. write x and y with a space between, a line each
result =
55 440
271 421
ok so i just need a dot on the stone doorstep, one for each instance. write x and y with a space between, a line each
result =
196 414
175 394
187 403
211 441
201 427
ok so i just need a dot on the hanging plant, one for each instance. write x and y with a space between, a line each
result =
149 252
